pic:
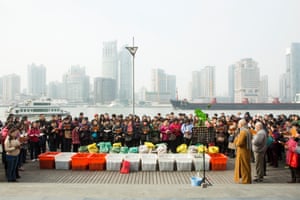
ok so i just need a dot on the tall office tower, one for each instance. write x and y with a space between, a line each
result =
246 81
264 89
11 88
231 82
283 88
36 80
110 62
125 79
159 81
196 81
171 86
104 90
203 83
54 90
293 70
207 82
76 85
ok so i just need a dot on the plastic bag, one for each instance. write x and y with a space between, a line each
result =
150 145
133 150
104 147
118 144
161 148
181 148
83 149
202 148
115 150
193 149
92 148
143 149
213 149
124 150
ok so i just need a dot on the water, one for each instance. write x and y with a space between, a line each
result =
152 111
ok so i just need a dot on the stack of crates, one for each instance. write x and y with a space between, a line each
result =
218 161
114 161
148 162
63 160
199 164
80 161
134 160
97 162
166 162
47 160
184 162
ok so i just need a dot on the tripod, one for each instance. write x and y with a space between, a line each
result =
204 136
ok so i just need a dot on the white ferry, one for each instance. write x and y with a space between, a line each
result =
33 108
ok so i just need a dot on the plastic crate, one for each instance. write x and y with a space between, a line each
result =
198 162
114 162
218 161
97 162
47 160
134 160
148 162
63 160
80 161
184 164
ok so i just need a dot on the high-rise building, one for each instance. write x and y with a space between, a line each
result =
76 85
159 78
283 88
264 89
293 70
54 90
11 88
125 79
208 85
203 83
36 80
104 90
163 87
246 81
231 82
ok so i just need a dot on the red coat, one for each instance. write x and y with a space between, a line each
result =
34 134
292 158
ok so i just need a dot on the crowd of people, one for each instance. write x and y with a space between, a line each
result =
261 138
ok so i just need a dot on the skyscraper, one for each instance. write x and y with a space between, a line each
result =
231 82
104 90
246 81
159 81
54 90
293 71
171 86
284 88
11 85
76 85
264 89
125 79
203 83
36 80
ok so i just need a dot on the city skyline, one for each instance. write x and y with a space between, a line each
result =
177 36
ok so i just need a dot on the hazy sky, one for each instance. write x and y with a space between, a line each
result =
178 36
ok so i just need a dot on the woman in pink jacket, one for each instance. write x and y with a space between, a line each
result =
292 158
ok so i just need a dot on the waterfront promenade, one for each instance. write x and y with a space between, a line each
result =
67 184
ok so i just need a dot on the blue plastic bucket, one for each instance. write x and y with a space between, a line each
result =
196 181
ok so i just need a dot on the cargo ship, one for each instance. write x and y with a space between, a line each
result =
244 105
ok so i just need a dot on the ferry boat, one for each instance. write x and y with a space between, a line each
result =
32 108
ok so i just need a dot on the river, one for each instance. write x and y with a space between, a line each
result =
152 111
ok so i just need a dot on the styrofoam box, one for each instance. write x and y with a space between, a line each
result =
63 160
114 162
134 160
198 162
184 164
148 162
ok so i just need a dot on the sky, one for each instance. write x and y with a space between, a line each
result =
179 36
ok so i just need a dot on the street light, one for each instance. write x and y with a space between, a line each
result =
132 50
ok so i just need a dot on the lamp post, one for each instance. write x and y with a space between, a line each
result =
132 50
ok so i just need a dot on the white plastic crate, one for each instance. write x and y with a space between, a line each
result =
198 162
63 160
166 164
148 162
114 162
184 164
134 160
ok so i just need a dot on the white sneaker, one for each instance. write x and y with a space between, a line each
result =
33 160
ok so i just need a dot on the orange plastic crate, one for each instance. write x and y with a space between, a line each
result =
218 161
80 161
97 162
47 160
